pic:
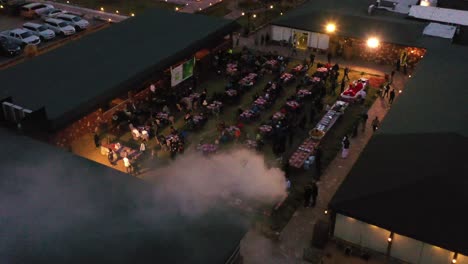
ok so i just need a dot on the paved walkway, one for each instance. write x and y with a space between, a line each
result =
297 235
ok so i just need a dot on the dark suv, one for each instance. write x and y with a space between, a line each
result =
8 47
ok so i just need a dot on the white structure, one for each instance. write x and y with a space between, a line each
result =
444 15
440 30
314 39
383 241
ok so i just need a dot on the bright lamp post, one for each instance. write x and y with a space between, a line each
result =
329 28
373 42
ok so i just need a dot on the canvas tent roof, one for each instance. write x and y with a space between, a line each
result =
444 15
411 178
440 30
60 208
73 79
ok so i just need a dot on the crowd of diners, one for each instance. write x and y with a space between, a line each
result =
146 120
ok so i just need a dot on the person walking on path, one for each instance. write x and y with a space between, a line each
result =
329 57
345 147
386 90
392 97
364 118
375 123
307 195
313 199
96 140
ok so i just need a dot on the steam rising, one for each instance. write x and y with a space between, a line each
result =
51 202
197 183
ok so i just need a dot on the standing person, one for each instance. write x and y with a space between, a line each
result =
392 97
96 140
307 195
346 72
398 65
345 147
343 85
375 123
391 76
312 59
110 157
318 161
313 199
364 117
127 164
329 57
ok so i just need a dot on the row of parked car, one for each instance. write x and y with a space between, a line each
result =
56 22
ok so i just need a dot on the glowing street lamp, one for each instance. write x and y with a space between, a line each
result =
132 14
176 9
243 14
373 42
271 7
102 9
330 28
254 16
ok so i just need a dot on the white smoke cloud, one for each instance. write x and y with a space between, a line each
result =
198 183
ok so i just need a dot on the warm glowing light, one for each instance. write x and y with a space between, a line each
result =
186 4
132 14
373 42
199 9
425 3
68 2
281 13
1 6
412 51
176 9
109 20
254 16
210 4
454 261
117 11
243 14
102 8
271 7
389 239
326 212
400 91
330 28
409 75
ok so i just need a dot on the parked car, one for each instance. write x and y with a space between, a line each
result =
34 10
60 27
22 35
8 47
75 21
52 13
39 30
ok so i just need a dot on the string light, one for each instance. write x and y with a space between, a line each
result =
102 9
132 14
117 11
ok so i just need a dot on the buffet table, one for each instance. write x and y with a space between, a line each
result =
306 149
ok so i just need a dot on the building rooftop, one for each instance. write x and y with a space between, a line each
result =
411 178
60 208
72 80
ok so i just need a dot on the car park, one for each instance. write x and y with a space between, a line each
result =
60 27
39 30
34 10
8 47
77 22
22 35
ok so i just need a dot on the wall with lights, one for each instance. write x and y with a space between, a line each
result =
399 247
